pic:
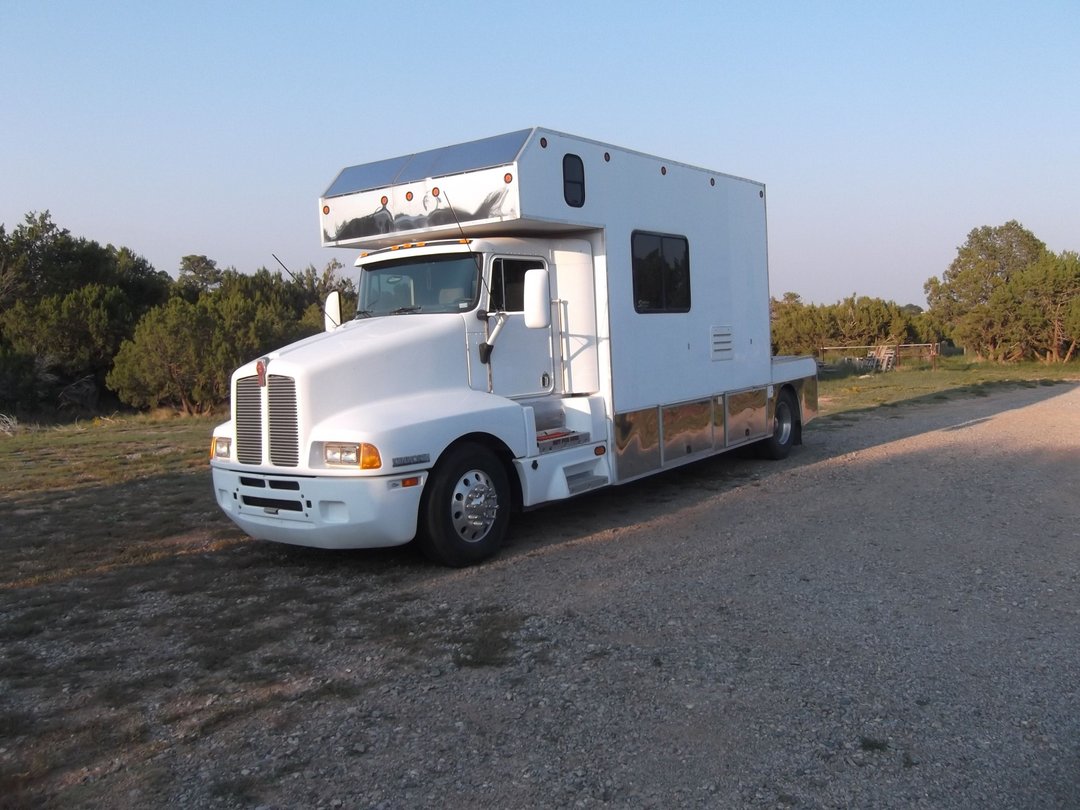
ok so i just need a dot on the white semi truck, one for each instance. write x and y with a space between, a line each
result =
539 315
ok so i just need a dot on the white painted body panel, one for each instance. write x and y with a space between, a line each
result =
788 369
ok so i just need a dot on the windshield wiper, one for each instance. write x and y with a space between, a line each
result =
403 310
362 313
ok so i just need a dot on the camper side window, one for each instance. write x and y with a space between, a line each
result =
573 172
508 283
661 270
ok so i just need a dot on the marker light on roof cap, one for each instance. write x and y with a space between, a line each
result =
435 192
326 209
383 200
408 196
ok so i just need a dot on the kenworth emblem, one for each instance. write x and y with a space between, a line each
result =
260 370
405 461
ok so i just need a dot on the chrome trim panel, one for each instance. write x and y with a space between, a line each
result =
485 153
747 416
668 435
719 412
687 430
637 443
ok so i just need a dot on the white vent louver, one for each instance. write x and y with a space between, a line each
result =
722 343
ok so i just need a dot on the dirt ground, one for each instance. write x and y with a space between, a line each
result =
889 618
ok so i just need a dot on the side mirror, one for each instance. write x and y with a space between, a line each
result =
332 311
537 298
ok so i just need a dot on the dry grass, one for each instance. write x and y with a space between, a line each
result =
137 620
953 378
93 497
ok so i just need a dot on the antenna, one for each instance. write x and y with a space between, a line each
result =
286 269
481 313
320 304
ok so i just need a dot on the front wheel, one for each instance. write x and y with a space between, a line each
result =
466 507
779 444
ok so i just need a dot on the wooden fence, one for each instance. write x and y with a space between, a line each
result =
882 357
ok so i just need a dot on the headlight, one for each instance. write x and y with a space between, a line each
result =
341 453
366 456
220 447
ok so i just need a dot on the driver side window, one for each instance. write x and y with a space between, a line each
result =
508 283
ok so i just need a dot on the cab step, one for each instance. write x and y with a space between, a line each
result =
584 481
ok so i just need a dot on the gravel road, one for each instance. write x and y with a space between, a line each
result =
888 619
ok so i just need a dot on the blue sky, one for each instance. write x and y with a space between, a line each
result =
884 132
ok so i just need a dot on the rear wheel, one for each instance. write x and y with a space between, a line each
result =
779 444
466 507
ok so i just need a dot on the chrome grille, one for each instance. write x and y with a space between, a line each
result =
248 421
281 402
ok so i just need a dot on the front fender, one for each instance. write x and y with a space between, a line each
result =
412 432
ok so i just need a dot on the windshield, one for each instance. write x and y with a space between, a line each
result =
447 283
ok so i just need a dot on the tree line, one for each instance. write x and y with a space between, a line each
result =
86 326
1004 298
80 322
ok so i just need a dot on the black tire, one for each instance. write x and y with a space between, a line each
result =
466 507
779 444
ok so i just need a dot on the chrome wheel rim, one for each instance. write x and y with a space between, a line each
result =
782 423
474 504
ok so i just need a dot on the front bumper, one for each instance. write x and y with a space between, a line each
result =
322 512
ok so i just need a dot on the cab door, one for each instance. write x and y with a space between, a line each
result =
521 360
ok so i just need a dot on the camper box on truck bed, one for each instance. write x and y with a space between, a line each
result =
540 315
